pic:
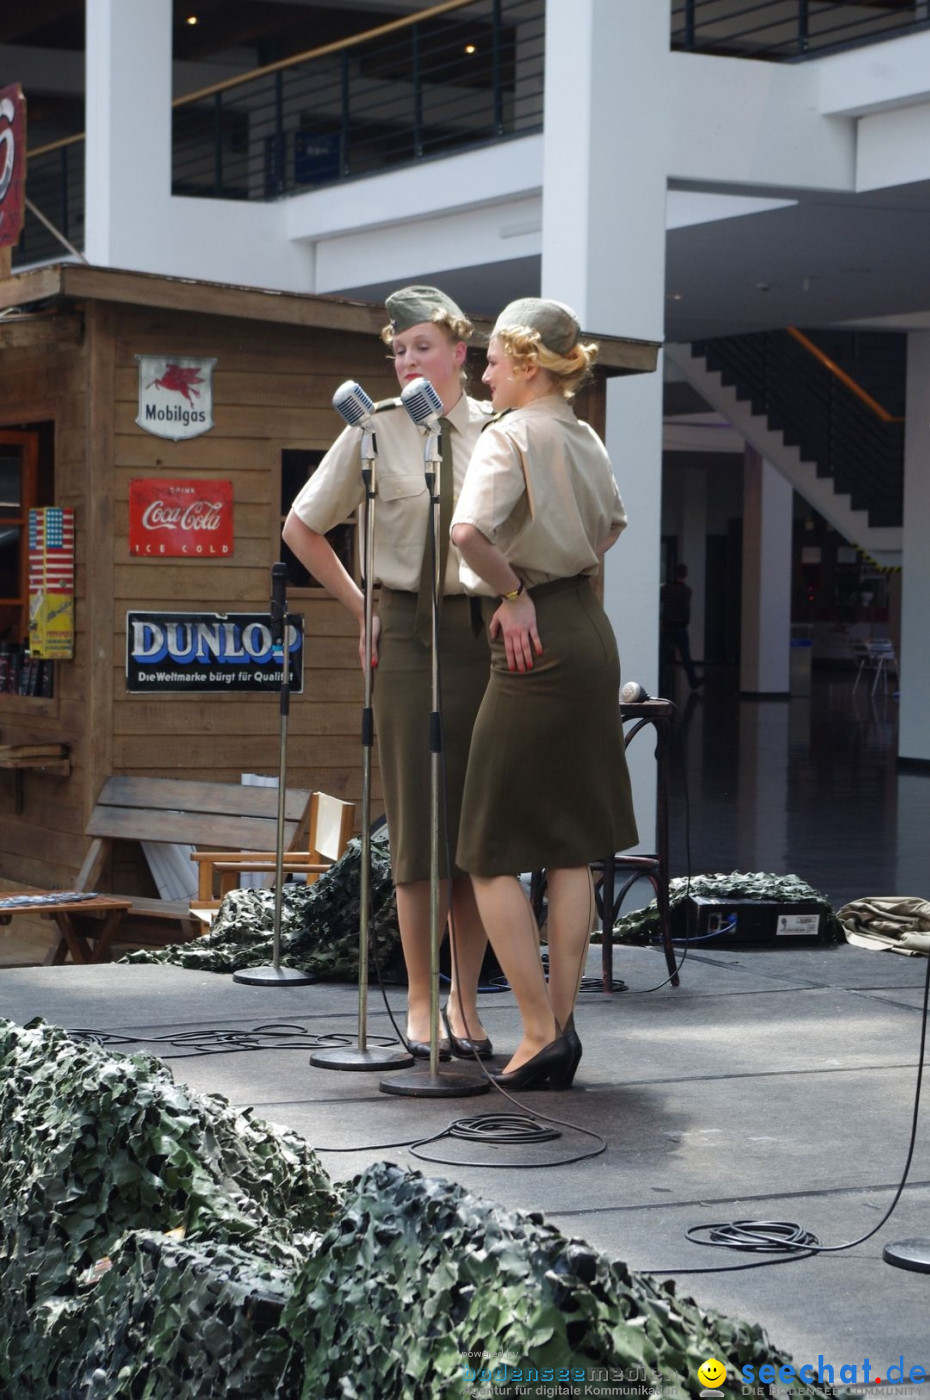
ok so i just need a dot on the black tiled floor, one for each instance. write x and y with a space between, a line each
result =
806 786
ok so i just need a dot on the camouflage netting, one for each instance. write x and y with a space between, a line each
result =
155 1244
643 926
319 925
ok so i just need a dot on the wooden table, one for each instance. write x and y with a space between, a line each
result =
81 921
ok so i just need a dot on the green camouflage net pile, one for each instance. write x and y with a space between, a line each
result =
156 1244
643 926
93 1145
319 925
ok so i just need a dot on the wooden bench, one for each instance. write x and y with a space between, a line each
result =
218 816
329 825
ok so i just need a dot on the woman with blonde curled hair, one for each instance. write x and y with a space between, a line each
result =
547 785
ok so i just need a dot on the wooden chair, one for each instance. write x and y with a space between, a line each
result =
330 825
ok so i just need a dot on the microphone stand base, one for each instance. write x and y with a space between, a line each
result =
272 976
347 1057
909 1254
447 1084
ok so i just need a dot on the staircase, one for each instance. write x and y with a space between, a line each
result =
839 448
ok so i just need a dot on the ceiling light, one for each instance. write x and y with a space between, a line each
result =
192 19
471 48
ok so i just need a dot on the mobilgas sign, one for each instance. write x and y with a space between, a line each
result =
207 651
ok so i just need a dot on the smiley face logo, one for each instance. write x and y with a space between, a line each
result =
712 1373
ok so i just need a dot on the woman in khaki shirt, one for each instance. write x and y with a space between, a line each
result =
547 784
428 335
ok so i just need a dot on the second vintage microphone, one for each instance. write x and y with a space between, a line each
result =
422 402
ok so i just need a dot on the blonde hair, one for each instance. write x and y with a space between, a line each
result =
525 348
458 327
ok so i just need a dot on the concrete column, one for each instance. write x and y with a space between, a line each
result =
762 784
914 732
693 551
128 149
765 634
603 252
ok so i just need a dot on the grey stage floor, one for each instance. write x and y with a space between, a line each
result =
772 1084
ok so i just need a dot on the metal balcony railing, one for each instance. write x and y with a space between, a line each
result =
463 73
786 30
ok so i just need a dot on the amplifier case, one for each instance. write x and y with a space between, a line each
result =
743 923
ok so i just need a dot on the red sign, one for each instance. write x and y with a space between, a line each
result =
181 519
12 164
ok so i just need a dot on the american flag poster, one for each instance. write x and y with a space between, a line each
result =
51 582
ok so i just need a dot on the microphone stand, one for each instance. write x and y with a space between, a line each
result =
363 1056
276 975
433 1082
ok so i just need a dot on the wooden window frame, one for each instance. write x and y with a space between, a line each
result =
29 488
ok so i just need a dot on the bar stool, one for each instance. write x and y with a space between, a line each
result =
639 866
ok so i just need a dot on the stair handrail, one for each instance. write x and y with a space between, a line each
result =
842 376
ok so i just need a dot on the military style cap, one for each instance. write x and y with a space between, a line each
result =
556 323
413 305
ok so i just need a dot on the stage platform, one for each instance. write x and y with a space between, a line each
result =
773 1084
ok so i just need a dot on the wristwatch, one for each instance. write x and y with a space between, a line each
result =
514 593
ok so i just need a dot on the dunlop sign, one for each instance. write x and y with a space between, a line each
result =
186 652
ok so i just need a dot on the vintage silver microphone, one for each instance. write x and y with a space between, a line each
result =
422 402
358 410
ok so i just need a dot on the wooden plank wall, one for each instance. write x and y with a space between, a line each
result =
42 380
272 390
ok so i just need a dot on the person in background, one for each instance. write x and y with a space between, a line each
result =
674 618
428 337
547 784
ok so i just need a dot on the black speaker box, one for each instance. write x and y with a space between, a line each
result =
745 923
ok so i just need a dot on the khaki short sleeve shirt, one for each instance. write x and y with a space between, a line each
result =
540 487
335 490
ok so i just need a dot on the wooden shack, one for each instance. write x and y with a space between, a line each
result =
71 338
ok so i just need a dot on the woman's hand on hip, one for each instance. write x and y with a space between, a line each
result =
516 623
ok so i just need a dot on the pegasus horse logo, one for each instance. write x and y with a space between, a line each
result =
181 380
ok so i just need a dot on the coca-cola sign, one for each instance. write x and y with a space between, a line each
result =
181 519
175 395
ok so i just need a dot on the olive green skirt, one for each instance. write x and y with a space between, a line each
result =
547 783
402 701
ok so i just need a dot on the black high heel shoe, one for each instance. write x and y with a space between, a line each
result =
553 1065
420 1049
571 1035
462 1047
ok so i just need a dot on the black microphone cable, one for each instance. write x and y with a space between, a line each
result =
791 1242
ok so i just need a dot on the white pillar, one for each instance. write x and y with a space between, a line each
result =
128 147
603 252
765 631
914 730
762 785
